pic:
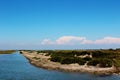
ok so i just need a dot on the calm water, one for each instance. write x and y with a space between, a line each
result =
16 67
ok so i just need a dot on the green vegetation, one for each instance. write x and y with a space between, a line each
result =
6 51
101 58
103 62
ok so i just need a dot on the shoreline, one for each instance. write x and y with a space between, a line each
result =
42 61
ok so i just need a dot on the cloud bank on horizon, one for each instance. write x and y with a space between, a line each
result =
66 42
75 40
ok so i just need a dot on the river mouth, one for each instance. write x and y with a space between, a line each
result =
16 67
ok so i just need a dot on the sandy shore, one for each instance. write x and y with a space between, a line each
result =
42 61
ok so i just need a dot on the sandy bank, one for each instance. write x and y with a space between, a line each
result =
42 61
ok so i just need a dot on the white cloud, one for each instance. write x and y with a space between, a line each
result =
67 40
47 41
74 40
108 40
70 40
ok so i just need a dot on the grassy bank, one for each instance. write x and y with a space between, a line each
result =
99 58
6 51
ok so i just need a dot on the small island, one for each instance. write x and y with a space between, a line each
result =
103 61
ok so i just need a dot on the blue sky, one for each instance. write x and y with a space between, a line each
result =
41 24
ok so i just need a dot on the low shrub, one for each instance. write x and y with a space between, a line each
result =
103 62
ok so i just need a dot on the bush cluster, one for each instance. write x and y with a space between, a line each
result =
105 58
103 62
